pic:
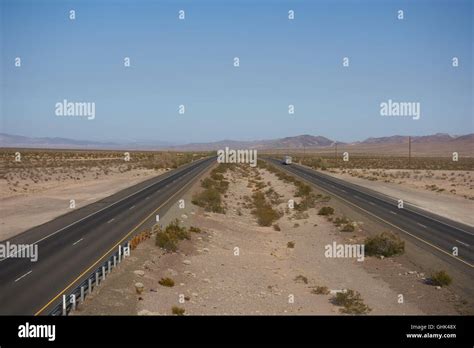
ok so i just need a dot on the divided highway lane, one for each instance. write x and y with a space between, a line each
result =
72 245
438 232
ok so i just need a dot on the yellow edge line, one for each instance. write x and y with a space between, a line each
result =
111 249
378 217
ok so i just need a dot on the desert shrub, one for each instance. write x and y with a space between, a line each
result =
339 221
166 282
177 310
440 278
326 211
214 186
308 201
165 241
209 199
385 244
276 227
351 302
290 245
349 227
263 211
302 189
301 278
169 237
320 290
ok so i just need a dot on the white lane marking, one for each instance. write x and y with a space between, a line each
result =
343 190
110 220
148 197
24 275
462 243
393 212
421 225
131 207
371 203
77 241
94 213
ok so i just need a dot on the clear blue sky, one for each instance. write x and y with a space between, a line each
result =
191 62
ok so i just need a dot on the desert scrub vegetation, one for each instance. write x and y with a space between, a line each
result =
440 278
320 290
169 238
327 161
40 167
325 211
303 190
195 229
263 210
177 310
344 224
214 187
301 279
385 244
349 227
351 302
166 282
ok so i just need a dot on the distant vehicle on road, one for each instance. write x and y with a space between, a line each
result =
287 160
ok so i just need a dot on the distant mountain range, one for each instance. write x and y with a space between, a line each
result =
299 141
427 142
8 140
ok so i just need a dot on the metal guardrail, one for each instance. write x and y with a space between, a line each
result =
72 299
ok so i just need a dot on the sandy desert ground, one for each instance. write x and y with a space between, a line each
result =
40 187
445 193
279 269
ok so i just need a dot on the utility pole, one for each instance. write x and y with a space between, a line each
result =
409 151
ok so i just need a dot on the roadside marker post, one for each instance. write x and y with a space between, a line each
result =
103 272
89 288
64 305
108 266
73 301
82 294
96 278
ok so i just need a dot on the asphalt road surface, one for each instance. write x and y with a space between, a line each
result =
440 234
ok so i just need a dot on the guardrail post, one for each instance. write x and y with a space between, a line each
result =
73 301
64 305
82 293
96 278
103 272
108 266
115 261
120 254
89 288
